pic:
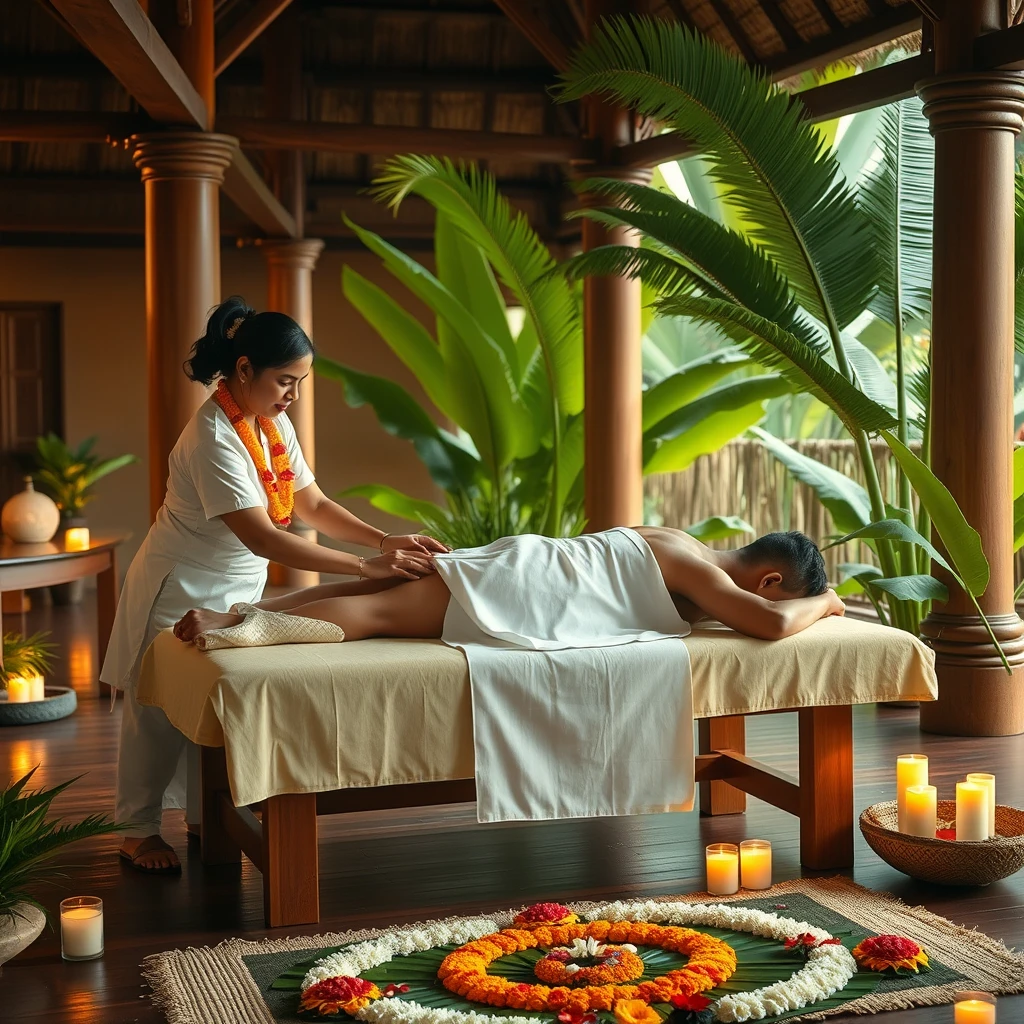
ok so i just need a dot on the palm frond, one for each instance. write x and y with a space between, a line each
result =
777 349
757 144
663 273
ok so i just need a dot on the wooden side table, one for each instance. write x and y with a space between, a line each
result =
26 566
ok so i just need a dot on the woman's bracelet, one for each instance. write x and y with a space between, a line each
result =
361 560
384 538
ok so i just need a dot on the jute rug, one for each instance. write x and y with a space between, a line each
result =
230 983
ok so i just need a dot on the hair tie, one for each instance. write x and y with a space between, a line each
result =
233 329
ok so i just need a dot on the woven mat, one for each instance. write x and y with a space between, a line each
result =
229 983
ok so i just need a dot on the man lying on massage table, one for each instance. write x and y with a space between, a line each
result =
770 589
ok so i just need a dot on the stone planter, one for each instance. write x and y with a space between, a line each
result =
19 930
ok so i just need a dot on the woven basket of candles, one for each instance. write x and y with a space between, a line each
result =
946 861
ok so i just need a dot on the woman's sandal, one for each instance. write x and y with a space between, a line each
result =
151 844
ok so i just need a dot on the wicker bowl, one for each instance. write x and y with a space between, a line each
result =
943 861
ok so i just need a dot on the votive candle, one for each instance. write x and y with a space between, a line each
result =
756 864
911 770
723 866
36 687
989 782
974 1008
971 812
81 928
76 538
19 690
920 811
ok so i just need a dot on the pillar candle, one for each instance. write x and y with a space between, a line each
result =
723 866
756 864
911 770
36 687
989 782
971 812
81 928
18 690
974 1008
920 811
76 538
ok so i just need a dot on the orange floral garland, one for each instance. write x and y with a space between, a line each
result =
628 967
278 484
711 962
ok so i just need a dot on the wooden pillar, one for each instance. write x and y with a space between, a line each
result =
182 173
613 380
290 264
974 117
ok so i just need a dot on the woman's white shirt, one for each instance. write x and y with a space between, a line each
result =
190 559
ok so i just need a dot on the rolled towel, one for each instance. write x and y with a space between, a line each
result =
261 628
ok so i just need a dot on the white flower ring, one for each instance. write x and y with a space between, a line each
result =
827 971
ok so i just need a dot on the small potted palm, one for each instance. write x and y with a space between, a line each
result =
29 840
69 475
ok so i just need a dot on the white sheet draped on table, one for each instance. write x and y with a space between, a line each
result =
582 703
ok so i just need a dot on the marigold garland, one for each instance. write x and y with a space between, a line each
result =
711 962
278 484
618 967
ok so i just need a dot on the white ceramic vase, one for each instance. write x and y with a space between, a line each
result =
30 517
19 930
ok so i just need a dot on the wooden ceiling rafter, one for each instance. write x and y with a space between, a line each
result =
245 31
526 17
791 39
735 29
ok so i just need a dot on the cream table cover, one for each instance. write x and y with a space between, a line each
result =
312 718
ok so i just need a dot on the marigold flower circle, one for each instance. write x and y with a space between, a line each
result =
625 967
464 971
890 952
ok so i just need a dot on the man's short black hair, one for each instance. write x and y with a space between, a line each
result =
794 555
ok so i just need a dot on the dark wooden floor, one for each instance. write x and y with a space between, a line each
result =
383 868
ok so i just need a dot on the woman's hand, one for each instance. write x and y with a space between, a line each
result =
405 563
413 542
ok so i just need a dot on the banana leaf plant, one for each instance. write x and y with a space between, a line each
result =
788 286
513 460
69 474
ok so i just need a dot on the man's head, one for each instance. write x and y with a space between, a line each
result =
780 566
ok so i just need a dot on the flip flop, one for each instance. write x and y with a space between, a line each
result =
149 845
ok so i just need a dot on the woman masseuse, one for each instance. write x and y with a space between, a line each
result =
236 478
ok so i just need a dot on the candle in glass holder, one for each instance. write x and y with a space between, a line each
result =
911 770
81 928
989 782
919 813
971 812
19 690
756 864
974 1008
76 538
36 687
723 865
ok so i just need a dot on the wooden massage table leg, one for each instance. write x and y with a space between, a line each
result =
728 733
218 847
826 787
290 864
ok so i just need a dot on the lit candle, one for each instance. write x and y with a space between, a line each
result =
81 928
723 864
971 812
974 1008
919 815
989 782
911 770
76 538
19 690
756 863
36 687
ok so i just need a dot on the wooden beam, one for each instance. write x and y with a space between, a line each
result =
124 39
525 17
237 39
245 187
67 126
1003 49
735 29
331 137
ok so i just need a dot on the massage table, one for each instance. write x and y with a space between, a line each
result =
295 731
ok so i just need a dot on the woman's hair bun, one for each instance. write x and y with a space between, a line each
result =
234 330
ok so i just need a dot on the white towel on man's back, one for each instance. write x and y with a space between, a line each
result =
571 716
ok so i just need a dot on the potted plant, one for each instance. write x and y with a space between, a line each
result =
24 654
29 840
69 476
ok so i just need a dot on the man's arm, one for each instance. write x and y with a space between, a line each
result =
714 592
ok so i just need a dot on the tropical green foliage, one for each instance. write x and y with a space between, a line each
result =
30 838
813 254
23 654
68 474
513 462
